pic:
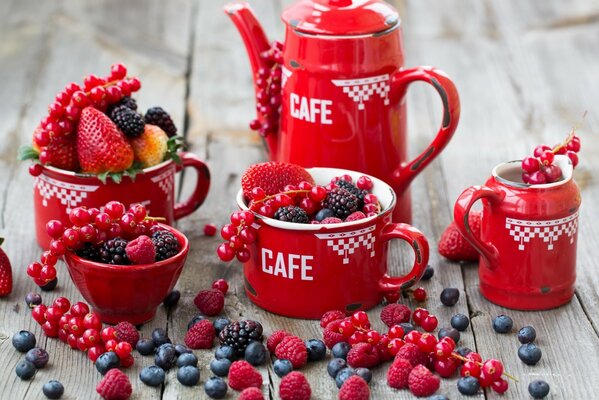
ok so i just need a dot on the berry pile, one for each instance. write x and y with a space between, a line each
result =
268 96
539 168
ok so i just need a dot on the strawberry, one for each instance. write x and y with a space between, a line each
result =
151 146
272 177
453 245
5 273
60 153
102 147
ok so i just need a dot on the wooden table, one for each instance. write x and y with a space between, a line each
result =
526 70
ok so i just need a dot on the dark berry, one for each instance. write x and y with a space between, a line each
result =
166 244
316 349
282 367
529 353
343 375
160 337
39 357
350 187
292 214
538 389
220 323
129 121
502 324
152 375
33 299
89 252
528 334
145 347
166 356
451 332
157 116
341 202
407 327
107 361
113 252
428 273
340 350
23 341
364 373
220 367
215 388
187 359
126 101
181 349
188 375
50 286
53 389
468 385
460 322
195 320
239 334
450 296
324 213
255 353
463 351
335 365
25 370
224 352
172 299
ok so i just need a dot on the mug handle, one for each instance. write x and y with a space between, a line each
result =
405 173
461 210
200 192
418 241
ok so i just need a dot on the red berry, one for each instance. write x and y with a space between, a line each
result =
113 94
48 273
57 248
419 294
225 252
500 386
70 238
493 368
412 337
484 380
38 313
63 304
446 367
540 149
371 199
76 326
127 361
309 206
93 352
360 319
92 321
110 344
317 193
364 183
87 233
210 229
108 333
472 356
537 178
427 342
248 235
54 228
79 216
392 297
114 209
134 84
357 337
255 124
394 346
443 349
419 315
53 315
34 269
553 173
91 337
573 157
48 258
123 349
79 309
530 164
128 222
346 328
470 368
228 231
35 169
221 285
62 335
63 322
103 221
117 71
50 329
396 332
429 323
574 144
373 337
547 157
243 255
81 345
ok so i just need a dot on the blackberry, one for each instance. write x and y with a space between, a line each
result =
292 214
113 252
129 121
89 252
157 116
350 187
341 202
166 244
127 101
239 334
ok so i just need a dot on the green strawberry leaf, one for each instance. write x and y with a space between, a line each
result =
117 177
133 171
174 144
27 153
103 176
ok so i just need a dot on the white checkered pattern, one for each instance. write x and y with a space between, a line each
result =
346 243
70 195
549 231
166 183
361 90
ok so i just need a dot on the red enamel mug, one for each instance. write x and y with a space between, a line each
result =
305 270
56 192
528 237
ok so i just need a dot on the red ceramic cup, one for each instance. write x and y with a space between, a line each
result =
528 237
127 292
57 191
304 270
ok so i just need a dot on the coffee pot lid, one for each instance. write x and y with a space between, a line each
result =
341 17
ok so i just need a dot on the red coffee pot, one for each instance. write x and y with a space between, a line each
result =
338 99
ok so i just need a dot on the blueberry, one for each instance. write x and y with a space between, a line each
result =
463 351
282 367
188 375
224 352
324 213
343 375
215 388
160 337
451 332
460 322
335 365
502 324
181 349
468 385
145 347
107 361
450 296
428 273
195 320
255 353
527 335
53 389
25 370
340 350
187 359
529 353
39 357
220 367
437 397
152 375
538 389
316 349
166 356
33 299
48 287
364 373
407 327
172 299
220 323
23 341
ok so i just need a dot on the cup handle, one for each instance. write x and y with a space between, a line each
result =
200 192
405 173
418 241
461 210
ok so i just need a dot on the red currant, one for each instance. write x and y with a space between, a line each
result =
125 87
95 351
103 221
493 368
553 173
283 200
446 367
91 81
127 361
530 164
221 285
225 252
72 341
38 313
429 323
115 230
123 349
573 157
243 255
547 157
63 304
138 211
470 368
36 169
34 269
371 199
134 84
48 258
108 333
574 144
117 71
81 345
360 319
128 222
91 337
80 99
537 178
540 149
114 209
357 337
57 248
53 315
92 321
443 349
412 337
472 356
427 342
484 380
309 206
317 193
248 235
113 94
394 346
97 94
79 216
419 315
48 273
62 335
51 330
396 332
210 230
76 326
63 322
79 309
392 297
70 237
247 217
346 328
228 231
370 208
419 294
500 386
87 233
258 194
373 337
255 124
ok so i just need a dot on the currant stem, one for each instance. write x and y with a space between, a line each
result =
272 196
157 219
459 357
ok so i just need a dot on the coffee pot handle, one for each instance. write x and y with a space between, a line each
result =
200 191
419 244
460 216
406 172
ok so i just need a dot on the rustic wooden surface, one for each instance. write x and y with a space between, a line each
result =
526 70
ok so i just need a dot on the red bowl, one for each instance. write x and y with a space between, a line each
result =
127 293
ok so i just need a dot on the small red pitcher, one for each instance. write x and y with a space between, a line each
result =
528 237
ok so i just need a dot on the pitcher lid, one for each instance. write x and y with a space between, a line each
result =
341 17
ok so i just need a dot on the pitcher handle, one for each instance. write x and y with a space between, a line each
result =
405 173
461 211
200 191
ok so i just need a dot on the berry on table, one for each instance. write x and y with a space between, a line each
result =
221 284
468 385
23 341
460 322
152 375
363 355
33 299
210 302
316 349
255 353
398 373
39 357
354 388
210 229
343 375
187 358
195 320
336 365
538 389
25 370
220 323
107 361
125 331
215 388
53 389
419 294
529 353
200 335
429 323
171 299
188 375
449 296
293 349
428 273
527 334
238 334
393 314
220 367
243 375
145 347
423 382
283 367
502 324
340 350
449 332
160 337
166 356
114 385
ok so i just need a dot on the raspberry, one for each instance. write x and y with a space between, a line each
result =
242 376
342 202
129 121
200 335
331 335
275 339
394 314
157 116
412 353
114 386
141 250
210 302
251 393
363 355
126 332
422 382
331 220
354 388
398 373
331 316
355 216
294 386
293 349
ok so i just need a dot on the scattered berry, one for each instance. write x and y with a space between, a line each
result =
39 357
292 348
220 323
239 334
210 230
107 361
255 353
363 355
450 296
331 316
282 367
336 365
23 341
221 285
316 349
33 299
225 352
422 382
428 273
188 375
152 375
201 335
294 386
275 338
340 350
364 373
145 347
419 294
215 388
410 352
187 359
460 322
527 334
25 370
210 302
53 389
468 385
172 299
195 320
529 353
354 388
449 332
220 367
538 389
394 314
398 373
126 332
160 337
502 324
251 393
243 375
166 356
344 375
114 386
5 273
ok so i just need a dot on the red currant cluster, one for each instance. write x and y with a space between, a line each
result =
539 169
64 113
89 226
80 329
421 317
239 234
304 195
268 96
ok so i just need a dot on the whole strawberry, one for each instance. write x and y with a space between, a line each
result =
453 245
60 153
272 177
5 273
114 386
101 146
